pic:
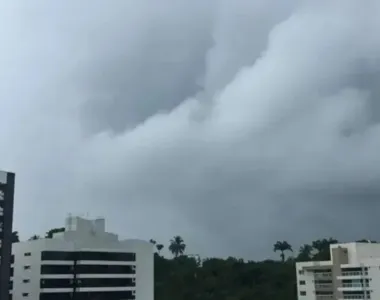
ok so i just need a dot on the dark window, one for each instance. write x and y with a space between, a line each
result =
11 285
107 256
27 254
56 296
26 280
302 282
57 269
117 295
57 255
105 282
302 293
12 272
104 269
26 267
301 272
25 294
12 259
56 283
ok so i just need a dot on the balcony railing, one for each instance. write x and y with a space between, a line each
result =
324 297
354 297
355 285
323 285
323 275
354 273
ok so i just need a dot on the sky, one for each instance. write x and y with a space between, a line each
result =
231 123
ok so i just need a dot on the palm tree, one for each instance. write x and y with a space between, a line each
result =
159 248
177 246
282 247
34 237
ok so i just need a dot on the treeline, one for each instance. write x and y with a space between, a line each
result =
189 277
192 278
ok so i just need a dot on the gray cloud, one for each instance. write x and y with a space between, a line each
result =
233 124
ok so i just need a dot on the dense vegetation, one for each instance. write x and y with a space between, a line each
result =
185 277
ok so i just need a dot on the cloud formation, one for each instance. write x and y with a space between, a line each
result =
233 124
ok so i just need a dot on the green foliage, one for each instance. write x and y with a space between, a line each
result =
15 238
52 231
177 246
186 278
34 237
282 247
182 278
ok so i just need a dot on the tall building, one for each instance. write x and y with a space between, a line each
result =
83 262
352 273
7 183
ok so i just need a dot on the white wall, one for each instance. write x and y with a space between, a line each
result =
309 287
34 261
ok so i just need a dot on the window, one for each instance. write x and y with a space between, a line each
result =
56 283
106 256
104 269
302 282
302 293
57 269
300 272
25 294
26 267
27 254
57 255
105 282
26 280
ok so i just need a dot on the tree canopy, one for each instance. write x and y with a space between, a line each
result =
189 277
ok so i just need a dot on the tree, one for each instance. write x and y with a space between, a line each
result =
177 246
322 247
15 238
34 237
282 247
366 241
159 247
152 241
305 253
51 232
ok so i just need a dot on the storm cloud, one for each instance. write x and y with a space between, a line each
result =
231 123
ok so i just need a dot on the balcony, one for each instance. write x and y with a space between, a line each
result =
354 273
323 286
327 275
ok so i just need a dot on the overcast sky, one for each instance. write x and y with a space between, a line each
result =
231 123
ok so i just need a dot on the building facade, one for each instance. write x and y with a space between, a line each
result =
84 262
7 183
352 273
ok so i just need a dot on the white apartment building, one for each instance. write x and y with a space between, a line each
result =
85 263
352 273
